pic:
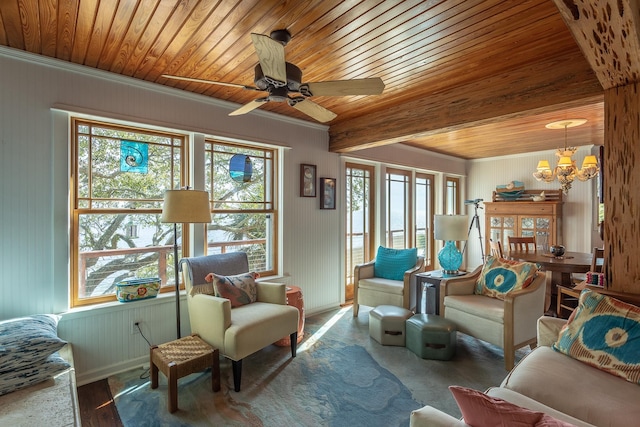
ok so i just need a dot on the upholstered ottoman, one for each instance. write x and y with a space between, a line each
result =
387 324
431 337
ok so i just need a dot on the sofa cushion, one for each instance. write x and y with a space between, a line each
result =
392 263
382 285
500 276
480 410
605 333
239 289
28 340
575 388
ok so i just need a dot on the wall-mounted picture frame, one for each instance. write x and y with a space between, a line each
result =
307 180
327 193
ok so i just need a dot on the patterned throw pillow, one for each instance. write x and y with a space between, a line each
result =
500 276
392 263
28 340
605 333
240 289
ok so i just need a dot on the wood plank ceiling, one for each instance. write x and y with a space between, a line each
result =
468 78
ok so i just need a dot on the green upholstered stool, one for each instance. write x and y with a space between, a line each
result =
387 324
431 337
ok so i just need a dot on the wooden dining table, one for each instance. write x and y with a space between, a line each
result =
558 269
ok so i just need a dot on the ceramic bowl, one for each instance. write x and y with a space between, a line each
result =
556 250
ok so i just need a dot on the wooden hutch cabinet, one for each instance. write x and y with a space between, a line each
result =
524 217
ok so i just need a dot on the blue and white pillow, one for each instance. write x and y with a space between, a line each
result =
28 340
35 373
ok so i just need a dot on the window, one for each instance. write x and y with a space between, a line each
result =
398 209
424 186
452 196
244 211
360 238
119 175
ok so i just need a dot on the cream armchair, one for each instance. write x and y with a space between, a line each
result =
374 291
509 324
243 330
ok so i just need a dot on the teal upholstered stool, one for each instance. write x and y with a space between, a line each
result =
387 324
431 337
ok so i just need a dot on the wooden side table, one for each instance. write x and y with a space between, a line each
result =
294 299
179 358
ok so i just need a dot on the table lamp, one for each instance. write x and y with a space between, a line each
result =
187 207
450 228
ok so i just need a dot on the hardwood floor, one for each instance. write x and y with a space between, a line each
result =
97 408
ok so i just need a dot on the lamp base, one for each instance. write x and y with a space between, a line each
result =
450 258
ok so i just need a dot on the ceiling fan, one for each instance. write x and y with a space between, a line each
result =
283 81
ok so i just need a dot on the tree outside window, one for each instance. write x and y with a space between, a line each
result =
119 176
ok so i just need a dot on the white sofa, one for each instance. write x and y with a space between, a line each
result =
53 402
551 382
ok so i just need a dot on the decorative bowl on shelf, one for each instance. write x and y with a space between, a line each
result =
556 250
511 195
510 191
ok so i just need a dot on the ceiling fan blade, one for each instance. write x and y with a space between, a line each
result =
314 110
372 86
248 107
271 55
191 79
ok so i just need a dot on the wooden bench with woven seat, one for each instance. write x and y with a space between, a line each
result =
182 357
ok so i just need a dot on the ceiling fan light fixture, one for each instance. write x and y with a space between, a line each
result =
566 170
281 36
283 81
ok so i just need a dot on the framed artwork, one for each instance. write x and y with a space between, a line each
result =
307 180
327 193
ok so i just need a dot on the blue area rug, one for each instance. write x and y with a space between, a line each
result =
329 383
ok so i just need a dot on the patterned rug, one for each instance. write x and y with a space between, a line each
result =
340 377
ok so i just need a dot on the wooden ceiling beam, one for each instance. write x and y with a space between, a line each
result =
608 32
564 81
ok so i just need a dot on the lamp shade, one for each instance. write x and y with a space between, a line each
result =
589 161
450 227
543 165
565 162
186 206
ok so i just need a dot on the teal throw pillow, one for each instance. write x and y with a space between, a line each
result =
392 263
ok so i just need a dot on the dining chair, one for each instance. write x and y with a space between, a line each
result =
495 248
597 263
522 243
597 266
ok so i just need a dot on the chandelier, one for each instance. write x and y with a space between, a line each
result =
566 170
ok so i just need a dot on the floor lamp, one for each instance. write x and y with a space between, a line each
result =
186 207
